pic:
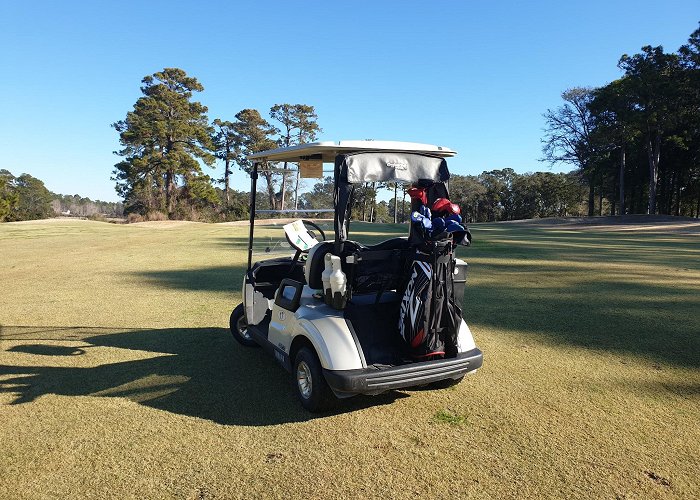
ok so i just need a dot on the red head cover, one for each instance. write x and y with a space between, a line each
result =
418 194
446 206
441 205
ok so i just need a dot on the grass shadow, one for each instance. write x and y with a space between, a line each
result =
209 279
48 350
199 372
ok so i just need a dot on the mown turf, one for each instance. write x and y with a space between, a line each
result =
119 379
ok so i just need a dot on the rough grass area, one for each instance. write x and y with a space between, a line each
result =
119 378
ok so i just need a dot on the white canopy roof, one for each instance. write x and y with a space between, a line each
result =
329 149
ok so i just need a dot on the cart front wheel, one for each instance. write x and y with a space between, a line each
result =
312 389
239 327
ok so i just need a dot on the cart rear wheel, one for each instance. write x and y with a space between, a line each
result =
239 327
311 385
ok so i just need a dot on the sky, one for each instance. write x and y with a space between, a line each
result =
472 76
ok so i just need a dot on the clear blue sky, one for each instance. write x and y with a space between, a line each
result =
473 76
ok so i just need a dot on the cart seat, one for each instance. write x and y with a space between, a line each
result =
267 275
372 268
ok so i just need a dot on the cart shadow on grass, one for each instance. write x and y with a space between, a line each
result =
199 372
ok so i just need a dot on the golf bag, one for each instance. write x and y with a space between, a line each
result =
429 318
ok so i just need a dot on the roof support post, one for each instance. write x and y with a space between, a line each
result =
253 194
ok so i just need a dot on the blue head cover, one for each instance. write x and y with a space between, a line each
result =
438 225
453 227
422 220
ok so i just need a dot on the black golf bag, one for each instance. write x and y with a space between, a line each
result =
429 317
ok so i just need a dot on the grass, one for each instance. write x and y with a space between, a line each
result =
119 379
448 417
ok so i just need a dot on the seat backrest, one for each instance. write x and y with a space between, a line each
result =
372 268
381 267
315 264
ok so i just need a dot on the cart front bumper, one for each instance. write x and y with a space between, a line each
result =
375 380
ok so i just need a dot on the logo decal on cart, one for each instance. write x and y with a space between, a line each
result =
397 164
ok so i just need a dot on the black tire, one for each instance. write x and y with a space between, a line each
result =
311 386
448 382
239 327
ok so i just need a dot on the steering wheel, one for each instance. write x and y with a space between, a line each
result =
301 235
314 226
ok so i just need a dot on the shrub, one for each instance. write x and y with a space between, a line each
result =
134 217
156 216
97 217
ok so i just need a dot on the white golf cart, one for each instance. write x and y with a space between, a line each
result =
337 349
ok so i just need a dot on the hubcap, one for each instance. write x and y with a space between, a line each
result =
304 380
243 329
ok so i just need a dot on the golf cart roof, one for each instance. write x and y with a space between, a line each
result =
327 150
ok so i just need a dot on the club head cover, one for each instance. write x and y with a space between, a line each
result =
418 194
463 238
425 211
438 225
453 227
454 208
421 220
454 217
441 205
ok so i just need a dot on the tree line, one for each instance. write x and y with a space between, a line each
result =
635 142
493 195
167 139
26 198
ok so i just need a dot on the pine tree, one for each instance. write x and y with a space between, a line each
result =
164 139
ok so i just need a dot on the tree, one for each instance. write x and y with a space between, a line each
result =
470 195
199 198
164 140
320 196
569 136
254 134
8 196
499 195
394 208
33 199
613 112
651 75
224 142
298 127
690 62
77 205
381 212
307 131
364 200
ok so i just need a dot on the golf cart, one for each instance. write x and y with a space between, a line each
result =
346 318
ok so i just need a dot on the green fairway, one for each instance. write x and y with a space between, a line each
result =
119 377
